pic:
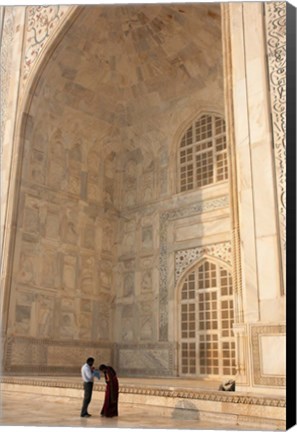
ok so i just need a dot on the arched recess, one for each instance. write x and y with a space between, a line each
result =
205 311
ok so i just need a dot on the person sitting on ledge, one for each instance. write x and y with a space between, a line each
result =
228 385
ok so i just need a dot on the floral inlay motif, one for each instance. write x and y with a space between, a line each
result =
276 50
184 258
41 20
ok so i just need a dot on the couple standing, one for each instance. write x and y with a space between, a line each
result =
110 405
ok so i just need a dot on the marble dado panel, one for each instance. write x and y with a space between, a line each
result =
185 258
165 218
45 356
145 359
48 314
268 366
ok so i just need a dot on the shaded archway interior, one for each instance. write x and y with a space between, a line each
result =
99 170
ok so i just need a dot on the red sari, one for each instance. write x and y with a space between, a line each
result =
110 406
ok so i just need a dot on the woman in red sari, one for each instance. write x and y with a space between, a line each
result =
110 406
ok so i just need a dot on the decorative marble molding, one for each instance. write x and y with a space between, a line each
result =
161 391
41 23
275 16
165 218
256 332
6 58
186 257
146 359
38 351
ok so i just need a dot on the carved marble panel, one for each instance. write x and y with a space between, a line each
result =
40 136
28 266
75 159
50 275
129 237
23 312
108 236
146 328
93 165
87 275
127 323
144 359
147 281
52 225
24 353
105 274
57 158
37 167
69 273
130 195
31 219
147 237
68 319
88 238
85 325
128 285
93 191
163 181
101 321
74 184
45 316
70 225
148 191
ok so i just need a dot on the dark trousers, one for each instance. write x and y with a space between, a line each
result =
88 389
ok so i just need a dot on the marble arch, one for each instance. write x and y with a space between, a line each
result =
181 284
94 249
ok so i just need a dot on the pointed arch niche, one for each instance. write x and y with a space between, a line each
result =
202 153
205 313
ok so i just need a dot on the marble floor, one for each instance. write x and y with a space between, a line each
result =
23 409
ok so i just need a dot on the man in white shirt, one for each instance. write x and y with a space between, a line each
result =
88 379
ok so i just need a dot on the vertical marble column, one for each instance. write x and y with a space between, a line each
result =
256 249
234 202
264 205
240 332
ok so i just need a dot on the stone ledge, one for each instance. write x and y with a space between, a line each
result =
161 390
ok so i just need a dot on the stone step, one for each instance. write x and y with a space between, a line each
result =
180 399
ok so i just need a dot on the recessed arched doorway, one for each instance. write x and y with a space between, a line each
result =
206 316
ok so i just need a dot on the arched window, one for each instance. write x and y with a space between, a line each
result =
206 319
203 153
